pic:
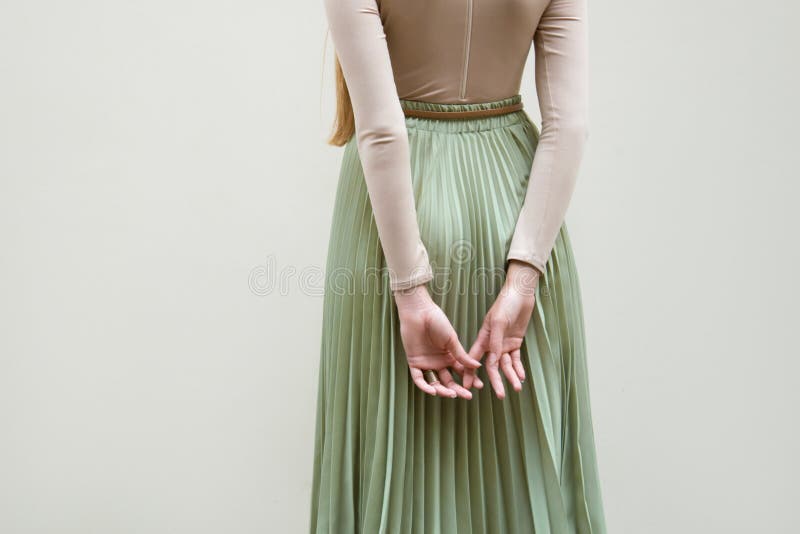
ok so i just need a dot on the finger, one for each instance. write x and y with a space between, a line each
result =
468 378
419 380
494 375
508 370
459 369
447 380
496 335
495 351
471 380
458 352
477 351
441 389
516 359
481 344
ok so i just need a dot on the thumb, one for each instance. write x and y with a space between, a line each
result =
480 345
496 337
457 351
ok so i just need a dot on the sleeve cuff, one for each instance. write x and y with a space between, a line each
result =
537 262
415 279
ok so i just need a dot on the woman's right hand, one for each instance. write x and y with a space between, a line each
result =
431 343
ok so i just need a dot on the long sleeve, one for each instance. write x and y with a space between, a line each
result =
381 136
561 50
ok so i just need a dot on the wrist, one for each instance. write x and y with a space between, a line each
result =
412 298
522 276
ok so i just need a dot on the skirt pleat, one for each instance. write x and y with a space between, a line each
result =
391 459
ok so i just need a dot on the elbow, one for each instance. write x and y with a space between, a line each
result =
381 129
382 135
382 145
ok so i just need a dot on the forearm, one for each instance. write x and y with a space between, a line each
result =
384 154
550 189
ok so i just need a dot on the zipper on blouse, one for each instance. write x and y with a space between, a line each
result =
467 39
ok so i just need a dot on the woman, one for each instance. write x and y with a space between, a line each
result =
448 233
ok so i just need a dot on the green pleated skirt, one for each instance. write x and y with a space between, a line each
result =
392 459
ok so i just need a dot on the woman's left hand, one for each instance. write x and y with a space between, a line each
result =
504 329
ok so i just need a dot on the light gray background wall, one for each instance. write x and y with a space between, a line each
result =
158 160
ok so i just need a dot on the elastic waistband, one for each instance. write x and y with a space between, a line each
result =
463 116
432 110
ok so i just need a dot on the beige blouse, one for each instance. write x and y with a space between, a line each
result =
462 51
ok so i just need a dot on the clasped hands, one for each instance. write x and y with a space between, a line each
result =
431 342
